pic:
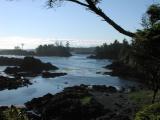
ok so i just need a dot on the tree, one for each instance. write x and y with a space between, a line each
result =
17 48
22 44
56 49
92 5
151 17
68 45
146 49
154 13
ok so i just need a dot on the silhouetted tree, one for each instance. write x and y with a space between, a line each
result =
147 51
151 16
154 13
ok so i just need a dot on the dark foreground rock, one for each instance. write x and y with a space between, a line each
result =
75 103
52 75
30 66
103 88
5 61
84 103
12 83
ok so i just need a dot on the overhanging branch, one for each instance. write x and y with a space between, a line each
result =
78 2
99 12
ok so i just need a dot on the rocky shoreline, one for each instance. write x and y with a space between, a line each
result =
31 65
5 61
81 103
124 71
97 102
26 67
13 83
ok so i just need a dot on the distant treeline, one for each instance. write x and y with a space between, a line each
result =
110 51
57 49
17 52
80 50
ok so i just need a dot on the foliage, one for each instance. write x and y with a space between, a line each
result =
86 100
16 52
146 49
13 113
151 112
82 50
154 13
111 51
56 49
151 17
143 97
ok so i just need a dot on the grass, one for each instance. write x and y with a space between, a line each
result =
86 100
151 112
13 113
145 108
143 97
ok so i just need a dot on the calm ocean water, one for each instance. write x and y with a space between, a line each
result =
80 71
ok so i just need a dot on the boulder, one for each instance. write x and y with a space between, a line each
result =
52 75
103 88
12 70
13 83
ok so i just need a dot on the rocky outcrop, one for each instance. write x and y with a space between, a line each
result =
84 103
103 88
12 70
13 83
74 103
30 66
52 75
35 65
5 61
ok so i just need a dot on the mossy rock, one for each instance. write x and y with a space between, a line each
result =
151 112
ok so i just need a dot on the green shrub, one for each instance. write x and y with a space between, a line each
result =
151 112
13 113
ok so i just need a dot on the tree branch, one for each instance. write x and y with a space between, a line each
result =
99 12
92 5
78 2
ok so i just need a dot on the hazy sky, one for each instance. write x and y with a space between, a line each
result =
31 23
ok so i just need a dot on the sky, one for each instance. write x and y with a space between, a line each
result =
32 23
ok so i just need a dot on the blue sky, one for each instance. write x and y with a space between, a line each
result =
31 23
